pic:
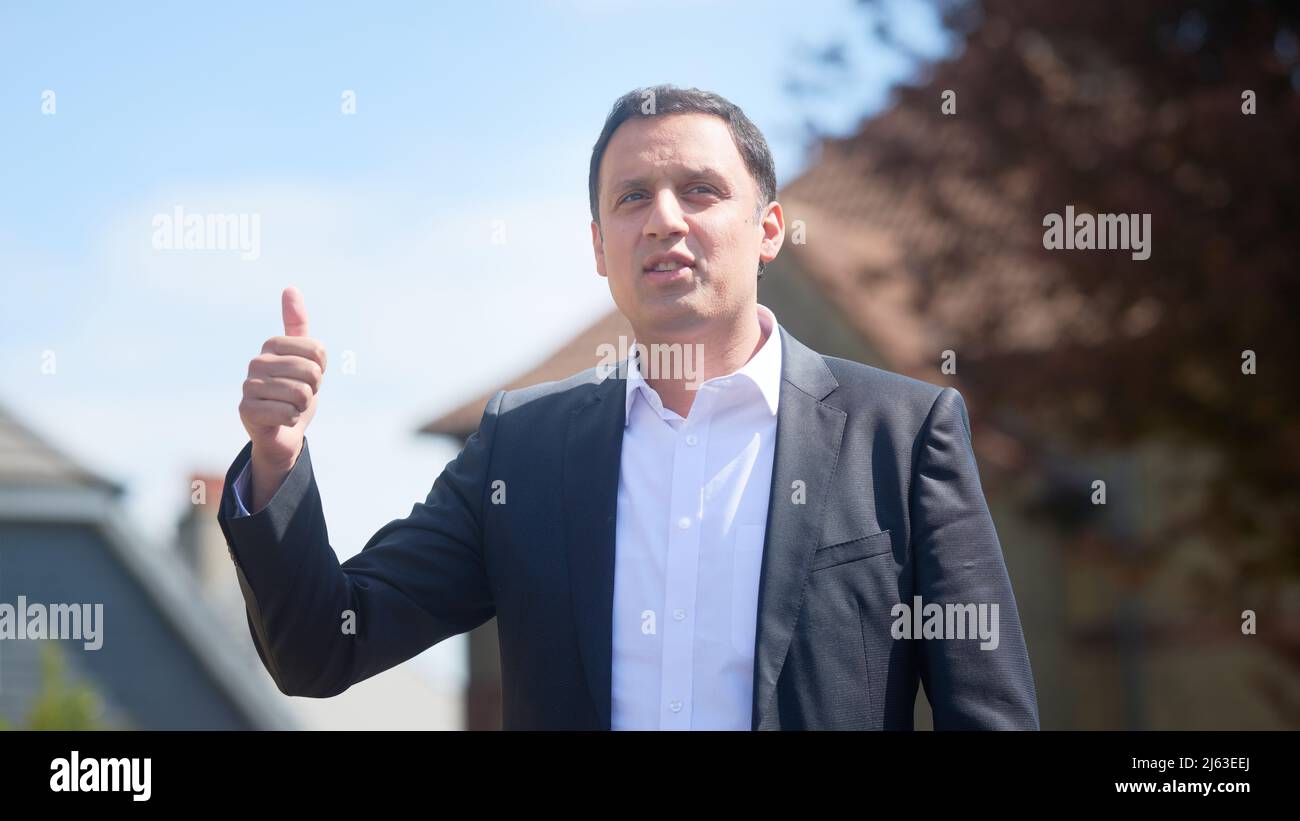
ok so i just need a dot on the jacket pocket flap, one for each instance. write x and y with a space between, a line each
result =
860 548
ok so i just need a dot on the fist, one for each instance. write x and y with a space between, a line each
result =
280 391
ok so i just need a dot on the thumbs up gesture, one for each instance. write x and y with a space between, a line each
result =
280 397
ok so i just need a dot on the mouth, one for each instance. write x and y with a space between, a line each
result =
664 273
671 266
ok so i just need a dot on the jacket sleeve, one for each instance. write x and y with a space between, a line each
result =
320 626
970 683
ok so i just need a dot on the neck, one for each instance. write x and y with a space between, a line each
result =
714 351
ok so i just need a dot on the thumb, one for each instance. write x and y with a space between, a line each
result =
294 309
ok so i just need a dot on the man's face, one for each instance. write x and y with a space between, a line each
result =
676 186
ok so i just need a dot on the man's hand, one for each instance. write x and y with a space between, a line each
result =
280 398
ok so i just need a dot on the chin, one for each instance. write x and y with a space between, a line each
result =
682 313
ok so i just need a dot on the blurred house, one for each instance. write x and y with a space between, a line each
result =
176 650
164 663
1103 656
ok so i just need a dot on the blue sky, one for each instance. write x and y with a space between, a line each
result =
467 116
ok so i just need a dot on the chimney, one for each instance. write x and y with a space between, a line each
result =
199 539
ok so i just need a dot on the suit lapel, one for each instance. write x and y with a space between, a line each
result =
592 449
808 436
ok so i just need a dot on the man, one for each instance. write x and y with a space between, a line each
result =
729 542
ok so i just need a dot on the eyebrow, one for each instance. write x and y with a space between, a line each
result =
644 182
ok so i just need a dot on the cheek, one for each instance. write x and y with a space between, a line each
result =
727 236
619 245
724 245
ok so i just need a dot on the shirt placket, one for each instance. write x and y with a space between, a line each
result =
683 564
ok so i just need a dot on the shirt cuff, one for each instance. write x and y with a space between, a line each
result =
240 489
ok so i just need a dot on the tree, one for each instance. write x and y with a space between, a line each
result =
60 706
1188 112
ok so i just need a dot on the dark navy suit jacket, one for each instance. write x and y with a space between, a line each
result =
889 507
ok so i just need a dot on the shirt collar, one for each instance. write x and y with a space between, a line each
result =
763 369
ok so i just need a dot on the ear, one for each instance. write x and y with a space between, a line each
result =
773 225
598 248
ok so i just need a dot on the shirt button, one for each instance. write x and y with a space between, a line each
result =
679 614
692 440
675 706
684 522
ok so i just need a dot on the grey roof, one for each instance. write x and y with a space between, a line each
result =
27 459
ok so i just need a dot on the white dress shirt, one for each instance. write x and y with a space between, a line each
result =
692 515
691 520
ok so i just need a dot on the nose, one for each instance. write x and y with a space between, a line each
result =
665 216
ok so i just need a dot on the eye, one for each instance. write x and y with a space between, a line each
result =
625 196
708 188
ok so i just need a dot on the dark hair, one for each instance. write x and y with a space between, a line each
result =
668 99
